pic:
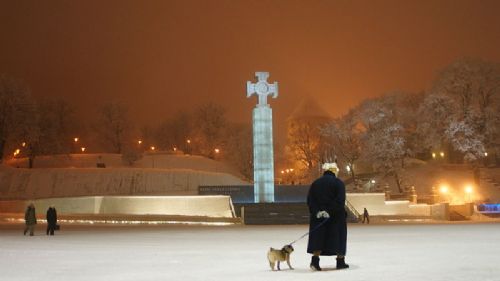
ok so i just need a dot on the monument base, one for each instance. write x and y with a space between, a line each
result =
273 213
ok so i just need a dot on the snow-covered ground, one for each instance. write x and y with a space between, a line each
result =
375 252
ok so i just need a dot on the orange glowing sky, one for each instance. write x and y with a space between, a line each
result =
161 56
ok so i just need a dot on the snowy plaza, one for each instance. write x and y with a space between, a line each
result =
452 251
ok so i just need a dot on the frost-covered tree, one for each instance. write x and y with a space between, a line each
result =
436 113
466 95
383 139
466 140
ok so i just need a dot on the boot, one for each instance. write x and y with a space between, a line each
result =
315 263
341 263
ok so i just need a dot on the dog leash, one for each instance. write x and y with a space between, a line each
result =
311 231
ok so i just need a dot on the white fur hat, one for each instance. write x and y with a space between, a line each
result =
332 167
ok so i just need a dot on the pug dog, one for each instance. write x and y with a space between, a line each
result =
277 255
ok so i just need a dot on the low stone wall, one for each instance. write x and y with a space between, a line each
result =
377 206
440 211
208 206
50 183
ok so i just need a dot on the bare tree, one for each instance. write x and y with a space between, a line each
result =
239 150
175 131
14 100
114 126
210 127
303 143
57 126
344 136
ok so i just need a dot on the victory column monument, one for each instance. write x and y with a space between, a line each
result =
263 160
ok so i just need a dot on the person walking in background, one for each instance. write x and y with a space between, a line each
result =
30 219
366 216
327 222
51 220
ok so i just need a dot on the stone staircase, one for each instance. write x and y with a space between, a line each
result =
456 216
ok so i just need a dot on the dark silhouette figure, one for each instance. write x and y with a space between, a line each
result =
30 219
51 220
366 216
326 201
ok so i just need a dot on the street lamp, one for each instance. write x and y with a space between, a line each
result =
468 192
433 155
188 148
76 139
83 149
152 156
139 142
441 154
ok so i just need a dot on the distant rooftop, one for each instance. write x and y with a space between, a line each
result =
309 108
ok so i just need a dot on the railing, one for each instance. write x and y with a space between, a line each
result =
352 209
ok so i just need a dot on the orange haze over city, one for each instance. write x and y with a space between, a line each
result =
158 57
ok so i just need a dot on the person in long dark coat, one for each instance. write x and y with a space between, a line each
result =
326 200
30 219
51 220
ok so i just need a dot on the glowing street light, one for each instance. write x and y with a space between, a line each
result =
139 142
434 155
468 193
82 149
443 189
23 144
188 141
76 139
175 148
486 154
217 150
468 189
441 154
152 148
